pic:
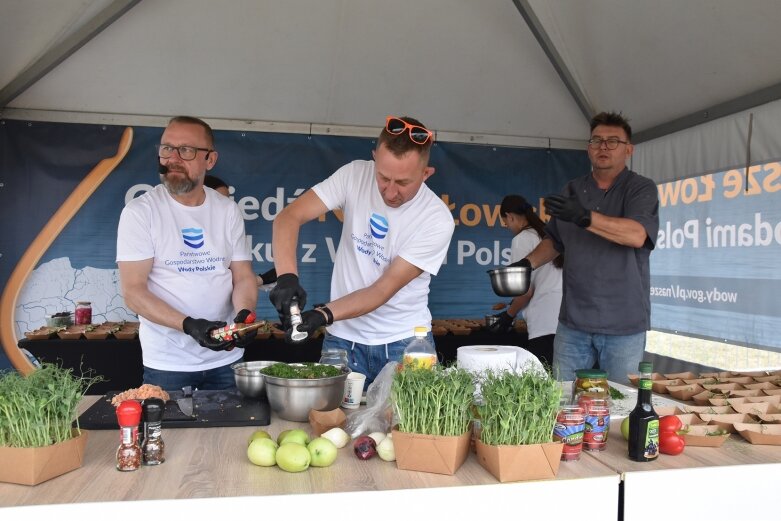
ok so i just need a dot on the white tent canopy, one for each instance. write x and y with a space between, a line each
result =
511 72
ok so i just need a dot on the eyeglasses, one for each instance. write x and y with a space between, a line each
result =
185 152
419 135
611 143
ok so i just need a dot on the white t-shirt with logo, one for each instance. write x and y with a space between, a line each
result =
373 235
192 248
542 311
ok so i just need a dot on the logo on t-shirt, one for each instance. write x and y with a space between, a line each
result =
193 237
378 225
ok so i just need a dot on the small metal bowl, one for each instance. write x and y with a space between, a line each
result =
250 381
293 398
510 282
490 320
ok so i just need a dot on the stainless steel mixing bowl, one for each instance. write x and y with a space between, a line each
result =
249 379
510 282
293 398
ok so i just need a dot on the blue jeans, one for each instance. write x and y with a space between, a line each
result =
215 379
369 359
619 355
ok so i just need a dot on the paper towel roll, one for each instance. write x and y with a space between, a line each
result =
476 359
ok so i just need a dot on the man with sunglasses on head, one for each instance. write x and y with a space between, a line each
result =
395 236
185 266
606 223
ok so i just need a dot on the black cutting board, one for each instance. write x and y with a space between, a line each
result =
210 409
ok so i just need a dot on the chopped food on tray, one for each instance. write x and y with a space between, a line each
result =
141 393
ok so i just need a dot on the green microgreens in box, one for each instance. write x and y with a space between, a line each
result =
518 409
433 401
39 409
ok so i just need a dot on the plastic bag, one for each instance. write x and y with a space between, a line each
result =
378 414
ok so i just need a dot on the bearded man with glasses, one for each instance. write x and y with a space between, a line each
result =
395 236
606 223
182 253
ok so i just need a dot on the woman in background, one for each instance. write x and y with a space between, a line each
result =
540 305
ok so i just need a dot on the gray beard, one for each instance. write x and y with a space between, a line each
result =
178 187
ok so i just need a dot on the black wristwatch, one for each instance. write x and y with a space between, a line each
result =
585 221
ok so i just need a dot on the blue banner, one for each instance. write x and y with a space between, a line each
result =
715 271
43 162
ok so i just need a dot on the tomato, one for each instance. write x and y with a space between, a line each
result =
671 443
670 424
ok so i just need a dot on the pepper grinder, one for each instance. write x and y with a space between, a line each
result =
153 447
295 320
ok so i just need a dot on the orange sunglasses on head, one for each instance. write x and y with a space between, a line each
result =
419 135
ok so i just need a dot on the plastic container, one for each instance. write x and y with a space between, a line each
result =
336 357
420 353
83 315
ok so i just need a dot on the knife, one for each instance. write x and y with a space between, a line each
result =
186 402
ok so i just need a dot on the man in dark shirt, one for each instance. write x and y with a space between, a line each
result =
606 222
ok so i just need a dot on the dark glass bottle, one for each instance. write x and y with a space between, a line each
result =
643 420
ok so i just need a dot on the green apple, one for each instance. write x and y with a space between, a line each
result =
299 436
323 452
262 452
261 434
625 428
293 457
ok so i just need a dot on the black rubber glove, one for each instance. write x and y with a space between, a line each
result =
311 321
568 209
199 329
269 277
523 263
503 324
282 295
241 318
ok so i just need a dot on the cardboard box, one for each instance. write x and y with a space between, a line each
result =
727 421
684 392
322 421
702 436
709 409
759 434
672 376
30 466
428 453
520 462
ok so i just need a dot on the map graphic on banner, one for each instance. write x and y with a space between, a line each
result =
265 171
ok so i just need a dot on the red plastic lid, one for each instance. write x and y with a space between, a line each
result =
129 413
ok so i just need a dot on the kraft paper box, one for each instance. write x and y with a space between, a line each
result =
760 434
322 421
428 453
520 462
31 466
703 436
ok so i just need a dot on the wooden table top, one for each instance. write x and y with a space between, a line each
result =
212 463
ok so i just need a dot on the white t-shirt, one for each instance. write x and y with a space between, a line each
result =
192 248
542 311
373 235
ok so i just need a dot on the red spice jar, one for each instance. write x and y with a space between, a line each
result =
128 453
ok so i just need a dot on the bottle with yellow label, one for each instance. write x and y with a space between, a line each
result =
420 353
